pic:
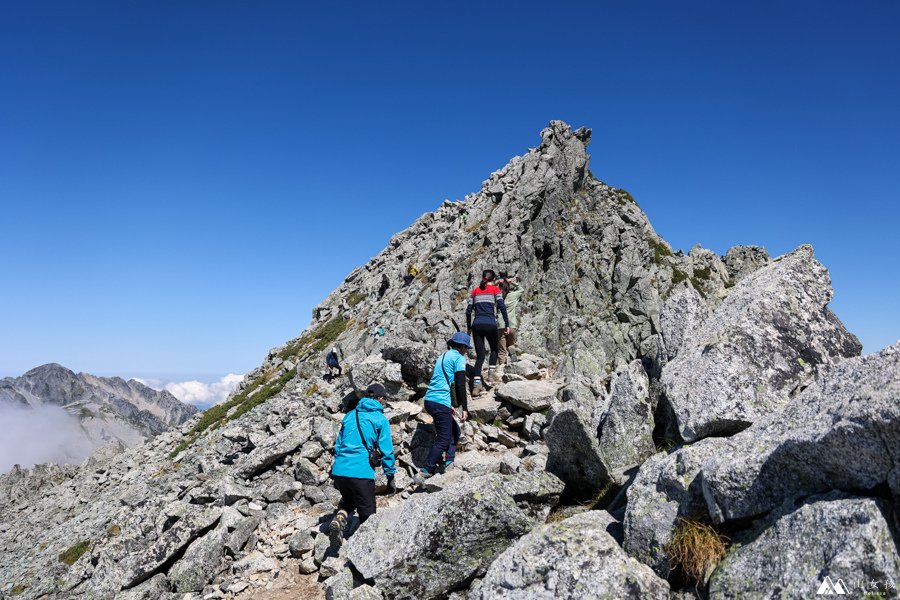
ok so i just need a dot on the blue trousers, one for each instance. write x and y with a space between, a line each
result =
447 434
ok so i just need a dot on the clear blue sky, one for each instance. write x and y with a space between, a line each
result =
181 182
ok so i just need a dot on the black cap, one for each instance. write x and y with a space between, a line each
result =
375 390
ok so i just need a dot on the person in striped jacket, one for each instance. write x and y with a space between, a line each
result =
481 323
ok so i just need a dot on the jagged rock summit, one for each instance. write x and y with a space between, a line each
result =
107 409
615 428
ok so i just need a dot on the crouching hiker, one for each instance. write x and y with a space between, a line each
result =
363 444
332 361
446 389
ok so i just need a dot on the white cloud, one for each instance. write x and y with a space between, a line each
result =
41 434
198 393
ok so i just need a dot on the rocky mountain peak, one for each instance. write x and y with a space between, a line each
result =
593 270
651 390
104 409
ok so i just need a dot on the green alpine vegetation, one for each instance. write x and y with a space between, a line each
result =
73 553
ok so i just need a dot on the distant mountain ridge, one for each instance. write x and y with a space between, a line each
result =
108 408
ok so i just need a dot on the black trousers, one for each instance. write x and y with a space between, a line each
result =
356 494
482 332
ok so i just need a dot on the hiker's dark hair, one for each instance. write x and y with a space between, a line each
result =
486 275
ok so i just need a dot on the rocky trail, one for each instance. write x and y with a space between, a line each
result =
672 425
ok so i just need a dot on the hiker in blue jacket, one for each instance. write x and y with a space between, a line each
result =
363 430
448 383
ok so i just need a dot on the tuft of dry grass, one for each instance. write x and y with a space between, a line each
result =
696 548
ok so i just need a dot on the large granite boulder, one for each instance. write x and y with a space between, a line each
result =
573 559
626 425
667 487
533 396
843 432
574 447
844 538
200 562
594 440
133 561
416 359
432 544
375 369
274 449
767 340
682 314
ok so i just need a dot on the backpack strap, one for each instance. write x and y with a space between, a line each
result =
359 430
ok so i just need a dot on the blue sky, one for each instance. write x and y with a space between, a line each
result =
181 182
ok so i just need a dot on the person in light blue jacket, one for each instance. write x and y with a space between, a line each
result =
363 428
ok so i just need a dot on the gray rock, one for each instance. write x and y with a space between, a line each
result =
842 537
306 472
842 432
280 489
300 543
683 312
331 566
484 408
273 450
153 589
533 428
477 463
531 395
315 495
666 487
255 562
524 368
200 563
233 492
339 586
764 343
416 359
430 544
510 464
399 411
242 532
626 426
366 592
309 566
375 369
140 561
573 559
575 455
743 260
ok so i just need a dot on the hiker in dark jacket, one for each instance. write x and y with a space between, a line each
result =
483 304
332 361
448 383
363 428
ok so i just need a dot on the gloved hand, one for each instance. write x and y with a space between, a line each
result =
391 486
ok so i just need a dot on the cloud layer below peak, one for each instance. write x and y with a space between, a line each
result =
200 394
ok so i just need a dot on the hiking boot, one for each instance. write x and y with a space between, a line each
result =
477 387
492 376
421 476
336 529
